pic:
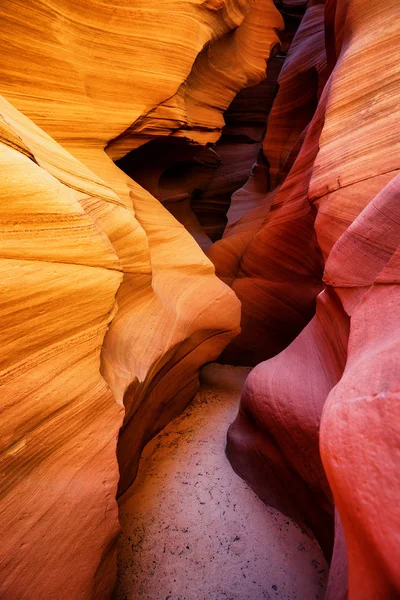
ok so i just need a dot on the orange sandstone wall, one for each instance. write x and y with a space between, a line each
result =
97 277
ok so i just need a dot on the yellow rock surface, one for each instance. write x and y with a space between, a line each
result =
59 276
82 246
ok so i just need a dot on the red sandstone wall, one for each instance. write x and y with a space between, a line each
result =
318 423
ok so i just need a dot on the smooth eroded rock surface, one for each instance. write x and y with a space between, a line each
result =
97 275
321 416
110 308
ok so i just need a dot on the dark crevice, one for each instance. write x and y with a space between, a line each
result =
195 183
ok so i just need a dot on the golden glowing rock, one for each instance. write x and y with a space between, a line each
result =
84 246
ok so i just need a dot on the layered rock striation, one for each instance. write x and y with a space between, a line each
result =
269 255
317 422
124 130
98 277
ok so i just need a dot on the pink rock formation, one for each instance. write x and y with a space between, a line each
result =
359 427
333 393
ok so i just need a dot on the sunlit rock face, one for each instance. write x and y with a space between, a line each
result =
108 302
318 424
59 277
197 181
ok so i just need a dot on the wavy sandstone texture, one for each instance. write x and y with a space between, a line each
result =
109 306
86 249
318 424
59 274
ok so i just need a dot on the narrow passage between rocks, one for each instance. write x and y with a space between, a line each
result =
193 530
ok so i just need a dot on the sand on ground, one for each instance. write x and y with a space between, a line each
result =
193 530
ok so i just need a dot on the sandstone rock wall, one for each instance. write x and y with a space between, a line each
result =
97 275
59 277
270 256
109 307
196 183
318 423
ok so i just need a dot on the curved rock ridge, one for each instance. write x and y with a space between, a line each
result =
360 433
59 275
195 183
246 118
64 260
103 278
111 63
301 82
318 423
234 60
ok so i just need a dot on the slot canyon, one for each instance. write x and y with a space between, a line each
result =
200 269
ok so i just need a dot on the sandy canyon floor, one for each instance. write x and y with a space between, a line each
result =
193 530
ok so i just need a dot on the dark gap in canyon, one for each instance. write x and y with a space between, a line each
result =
196 183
